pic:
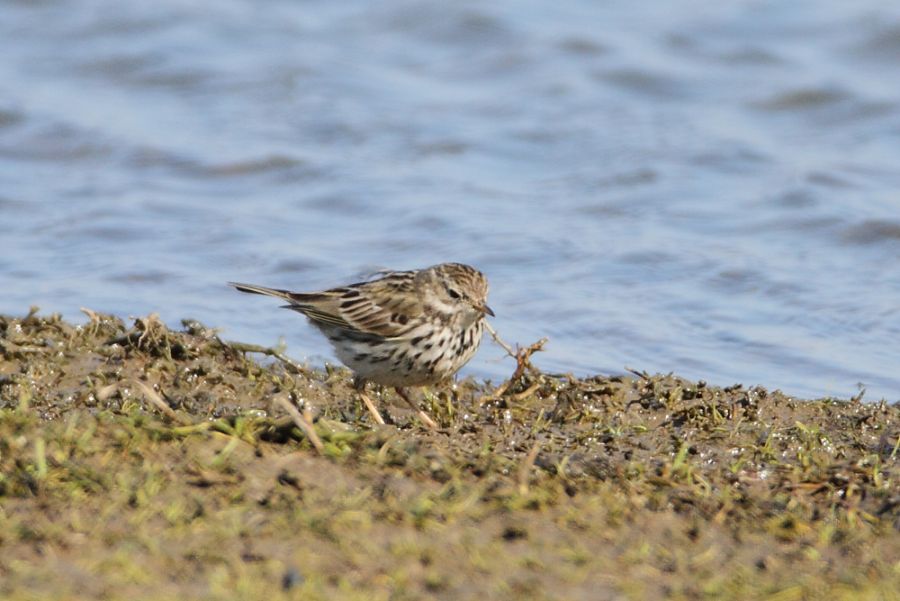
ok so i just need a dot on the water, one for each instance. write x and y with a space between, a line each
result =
700 187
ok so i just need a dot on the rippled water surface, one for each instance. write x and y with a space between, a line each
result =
710 188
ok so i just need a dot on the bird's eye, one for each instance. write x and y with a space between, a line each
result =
453 293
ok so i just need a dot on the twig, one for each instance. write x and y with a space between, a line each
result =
496 338
525 468
373 409
255 348
426 419
523 357
157 401
92 315
525 393
523 362
641 374
107 391
302 423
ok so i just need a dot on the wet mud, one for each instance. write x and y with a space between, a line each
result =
141 462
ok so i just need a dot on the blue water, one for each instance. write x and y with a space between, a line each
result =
700 187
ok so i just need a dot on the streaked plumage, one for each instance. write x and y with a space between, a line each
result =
407 328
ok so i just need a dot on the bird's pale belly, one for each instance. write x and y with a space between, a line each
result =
412 361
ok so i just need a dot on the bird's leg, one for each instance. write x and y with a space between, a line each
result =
360 385
422 415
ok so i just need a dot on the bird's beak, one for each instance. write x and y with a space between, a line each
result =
485 309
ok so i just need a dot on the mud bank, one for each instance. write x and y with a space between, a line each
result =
144 463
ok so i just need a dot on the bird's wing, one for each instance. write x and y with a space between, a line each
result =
386 307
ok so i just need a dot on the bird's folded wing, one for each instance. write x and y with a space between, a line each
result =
357 310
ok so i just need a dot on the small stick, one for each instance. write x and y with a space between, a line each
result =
496 338
158 402
525 468
422 415
302 423
255 348
91 314
525 393
107 391
523 358
371 407
641 374
523 362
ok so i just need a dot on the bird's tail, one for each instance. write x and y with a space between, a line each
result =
253 289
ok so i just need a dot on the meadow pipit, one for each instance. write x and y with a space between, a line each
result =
407 328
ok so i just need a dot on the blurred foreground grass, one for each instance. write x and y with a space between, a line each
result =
137 462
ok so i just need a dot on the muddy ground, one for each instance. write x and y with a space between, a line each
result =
143 463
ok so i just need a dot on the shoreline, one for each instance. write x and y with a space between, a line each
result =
144 462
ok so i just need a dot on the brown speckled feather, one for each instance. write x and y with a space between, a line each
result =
407 328
382 307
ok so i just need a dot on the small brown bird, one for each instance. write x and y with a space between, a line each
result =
407 328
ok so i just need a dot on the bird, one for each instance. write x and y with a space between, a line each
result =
406 328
